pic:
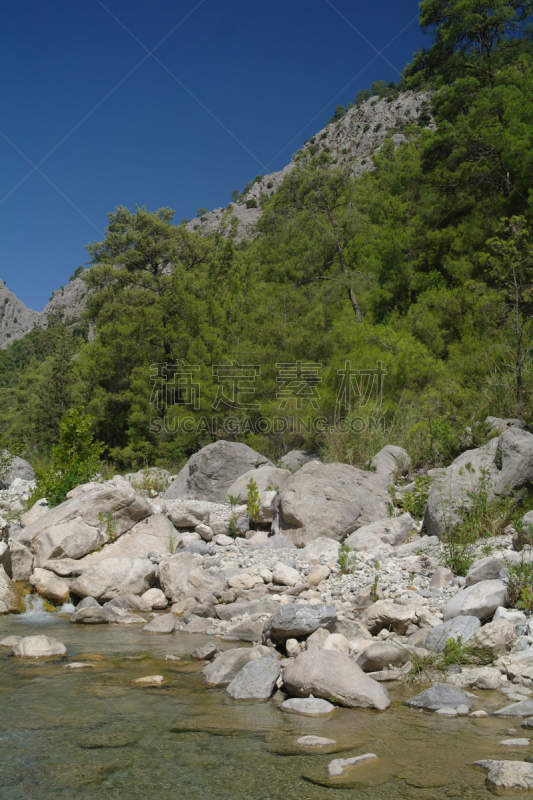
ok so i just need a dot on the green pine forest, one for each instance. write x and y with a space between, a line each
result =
424 265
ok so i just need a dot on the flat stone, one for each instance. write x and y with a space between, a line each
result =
520 709
308 706
528 723
338 766
478 714
314 741
9 641
206 652
447 711
514 743
149 680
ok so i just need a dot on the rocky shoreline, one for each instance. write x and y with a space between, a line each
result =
330 600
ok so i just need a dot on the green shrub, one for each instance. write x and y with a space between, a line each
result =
346 559
415 501
75 459
252 503
251 203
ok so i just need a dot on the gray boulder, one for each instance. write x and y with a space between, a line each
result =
389 615
380 655
504 776
390 463
213 470
330 500
524 708
18 468
87 602
128 602
49 586
503 465
115 576
21 561
329 673
497 636
480 600
223 669
81 515
293 621
8 595
463 627
256 680
295 459
174 573
165 623
484 569
93 615
440 695
39 647
389 531
245 632
266 478
155 534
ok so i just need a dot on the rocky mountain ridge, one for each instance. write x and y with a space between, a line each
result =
352 140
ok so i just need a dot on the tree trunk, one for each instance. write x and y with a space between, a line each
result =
340 250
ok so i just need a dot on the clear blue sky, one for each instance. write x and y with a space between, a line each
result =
236 88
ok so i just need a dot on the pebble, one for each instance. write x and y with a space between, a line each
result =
514 743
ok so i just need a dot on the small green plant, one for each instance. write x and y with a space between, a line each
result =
366 128
346 559
111 528
454 653
251 203
377 127
253 502
233 525
171 543
334 699
520 585
415 501
233 501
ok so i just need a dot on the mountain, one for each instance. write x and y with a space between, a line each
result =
352 140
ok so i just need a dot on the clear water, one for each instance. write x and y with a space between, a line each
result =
91 733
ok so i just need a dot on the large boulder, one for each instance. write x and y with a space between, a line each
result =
390 463
18 468
223 669
155 534
382 533
267 478
174 573
115 576
49 586
295 459
484 569
294 621
498 468
81 515
321 548
463 628
211 471
8 595
329 673
480 600
388 615
380 655
497 636
507 776
38 647
21 561
331 500
256 680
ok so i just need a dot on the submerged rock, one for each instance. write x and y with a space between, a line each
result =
515 775
39 647
308 706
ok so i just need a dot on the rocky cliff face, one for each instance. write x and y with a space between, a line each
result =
351 141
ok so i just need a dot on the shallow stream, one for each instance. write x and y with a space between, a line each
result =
91 734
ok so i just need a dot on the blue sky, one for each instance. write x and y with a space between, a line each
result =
236 88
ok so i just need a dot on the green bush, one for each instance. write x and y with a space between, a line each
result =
415 501
75 459
251 203
252 504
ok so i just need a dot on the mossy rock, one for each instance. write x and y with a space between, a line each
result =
93 741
